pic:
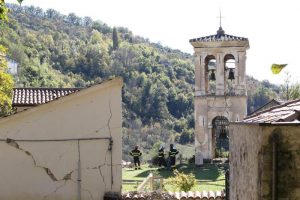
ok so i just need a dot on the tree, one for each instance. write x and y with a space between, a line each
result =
87 21
52 14
290 91
6 81
73 19
115 39
6 85
4 10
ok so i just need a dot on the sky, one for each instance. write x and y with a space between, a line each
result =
272 26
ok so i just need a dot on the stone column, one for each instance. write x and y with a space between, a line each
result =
220 74
197 73
242 72
202 74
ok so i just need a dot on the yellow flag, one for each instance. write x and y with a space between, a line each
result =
276 68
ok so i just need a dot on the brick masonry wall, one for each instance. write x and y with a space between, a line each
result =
251 162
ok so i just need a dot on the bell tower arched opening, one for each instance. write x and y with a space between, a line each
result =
229 73
210 76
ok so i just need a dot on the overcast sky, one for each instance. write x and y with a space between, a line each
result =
272 26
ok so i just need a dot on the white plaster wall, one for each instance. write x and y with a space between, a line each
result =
90 113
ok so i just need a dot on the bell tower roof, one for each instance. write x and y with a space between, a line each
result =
220 37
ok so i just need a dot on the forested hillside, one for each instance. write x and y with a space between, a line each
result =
55 50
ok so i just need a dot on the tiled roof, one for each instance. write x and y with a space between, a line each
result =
36 96
175 196
272 103
220 36
287 112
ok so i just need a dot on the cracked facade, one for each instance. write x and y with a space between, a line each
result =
61 149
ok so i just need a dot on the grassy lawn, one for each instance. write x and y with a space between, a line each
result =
209 177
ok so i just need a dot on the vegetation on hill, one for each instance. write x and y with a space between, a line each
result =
55 50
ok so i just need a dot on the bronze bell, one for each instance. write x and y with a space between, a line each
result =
231 74
212 76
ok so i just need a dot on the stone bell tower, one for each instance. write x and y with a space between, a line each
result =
220 87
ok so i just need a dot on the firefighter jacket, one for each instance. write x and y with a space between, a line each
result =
161 153
136 153
173 152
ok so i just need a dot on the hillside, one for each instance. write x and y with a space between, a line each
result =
55 50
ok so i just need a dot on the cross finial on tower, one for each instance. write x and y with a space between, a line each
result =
220 17
220 32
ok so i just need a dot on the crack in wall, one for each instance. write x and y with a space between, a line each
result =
100 171
56 189
84 189
110 116
14 144
99 168
67 177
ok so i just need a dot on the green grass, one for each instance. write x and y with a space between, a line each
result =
209 177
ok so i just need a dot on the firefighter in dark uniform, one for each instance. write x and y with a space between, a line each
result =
136 153
161 157
172 156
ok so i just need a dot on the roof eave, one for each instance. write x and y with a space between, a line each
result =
217 44
266 124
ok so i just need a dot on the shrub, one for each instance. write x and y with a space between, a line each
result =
185 182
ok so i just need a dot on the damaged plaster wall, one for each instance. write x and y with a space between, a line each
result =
69 147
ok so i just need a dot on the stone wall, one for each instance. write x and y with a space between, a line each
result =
251 158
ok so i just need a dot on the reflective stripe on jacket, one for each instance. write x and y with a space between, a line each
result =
173 152
161 153
135 153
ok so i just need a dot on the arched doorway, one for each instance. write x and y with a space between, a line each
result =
220 139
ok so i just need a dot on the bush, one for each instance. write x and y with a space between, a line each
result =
185 182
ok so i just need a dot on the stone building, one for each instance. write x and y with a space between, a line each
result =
265 154
67 147
220 88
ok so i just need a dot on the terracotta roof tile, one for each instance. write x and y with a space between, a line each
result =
287 112
218 195
36 96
